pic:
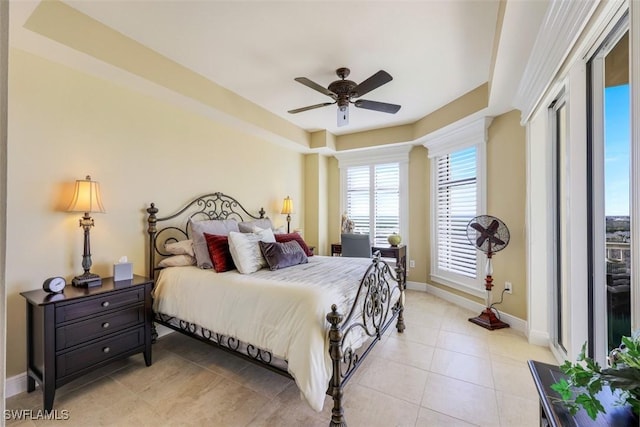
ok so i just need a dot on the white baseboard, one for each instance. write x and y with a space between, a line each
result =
539 338
514 322
16 385
417 286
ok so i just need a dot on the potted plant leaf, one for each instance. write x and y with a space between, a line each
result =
585 379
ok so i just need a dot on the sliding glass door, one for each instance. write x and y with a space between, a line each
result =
610 222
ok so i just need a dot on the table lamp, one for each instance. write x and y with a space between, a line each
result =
287 208
86 198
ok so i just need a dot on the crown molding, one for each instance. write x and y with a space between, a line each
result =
457 136
368 156
561 27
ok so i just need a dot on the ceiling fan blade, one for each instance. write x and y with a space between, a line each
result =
315 86
310 107
373 82
377 106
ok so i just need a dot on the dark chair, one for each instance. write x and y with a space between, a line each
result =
355 245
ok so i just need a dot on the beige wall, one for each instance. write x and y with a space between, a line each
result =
64 124
315 202
506 199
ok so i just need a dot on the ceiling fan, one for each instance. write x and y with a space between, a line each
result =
343 92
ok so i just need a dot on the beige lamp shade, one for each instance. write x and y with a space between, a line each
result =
287 206
86 197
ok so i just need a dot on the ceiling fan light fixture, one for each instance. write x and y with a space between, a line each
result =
343 115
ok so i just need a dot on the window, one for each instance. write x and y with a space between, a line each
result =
457 195
373 200
456 205
374 188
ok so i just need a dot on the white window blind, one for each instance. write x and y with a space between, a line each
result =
373 200
358 186
456 205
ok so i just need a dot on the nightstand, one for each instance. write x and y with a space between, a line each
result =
397 252
75 332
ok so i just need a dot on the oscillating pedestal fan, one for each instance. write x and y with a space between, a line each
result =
489 235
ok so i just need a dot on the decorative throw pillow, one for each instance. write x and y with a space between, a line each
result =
182 247
281 238
245 250
281 255
219 252
250 226
177 261
220 227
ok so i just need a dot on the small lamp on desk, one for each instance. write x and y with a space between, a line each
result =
86 199
287 208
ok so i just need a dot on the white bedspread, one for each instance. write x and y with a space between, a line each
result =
283 311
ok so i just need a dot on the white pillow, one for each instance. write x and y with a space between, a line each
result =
183 247
220 227
177 261
245 249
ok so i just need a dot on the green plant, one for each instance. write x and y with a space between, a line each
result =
585 378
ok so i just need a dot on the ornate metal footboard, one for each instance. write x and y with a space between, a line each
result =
352 335
373 311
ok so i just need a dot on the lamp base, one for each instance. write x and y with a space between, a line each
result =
488 319
87 280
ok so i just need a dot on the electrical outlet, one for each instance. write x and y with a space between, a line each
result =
412 264
507 287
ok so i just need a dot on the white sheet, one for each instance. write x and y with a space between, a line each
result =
283 311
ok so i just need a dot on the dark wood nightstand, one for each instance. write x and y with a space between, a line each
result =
75 332
397 252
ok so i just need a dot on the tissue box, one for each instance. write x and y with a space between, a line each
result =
122 271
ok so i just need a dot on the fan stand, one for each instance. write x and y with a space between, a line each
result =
488 319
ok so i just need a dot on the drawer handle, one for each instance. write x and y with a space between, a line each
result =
105 325
105 304
106 350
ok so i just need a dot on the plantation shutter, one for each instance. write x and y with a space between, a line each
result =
358 183
456 206
373 200
387 202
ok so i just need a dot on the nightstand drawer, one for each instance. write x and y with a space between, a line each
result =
77 360
97 305
96 327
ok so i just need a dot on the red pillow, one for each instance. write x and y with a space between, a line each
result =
281 238
219 252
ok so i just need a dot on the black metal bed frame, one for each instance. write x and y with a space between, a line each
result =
373 310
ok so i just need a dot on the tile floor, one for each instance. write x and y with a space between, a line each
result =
443 371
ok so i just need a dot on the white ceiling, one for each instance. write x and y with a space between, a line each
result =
436 51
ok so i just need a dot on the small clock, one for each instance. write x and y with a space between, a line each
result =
54 285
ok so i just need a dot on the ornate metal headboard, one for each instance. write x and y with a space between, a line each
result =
176 226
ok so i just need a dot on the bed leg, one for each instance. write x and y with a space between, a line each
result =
400 326
335 351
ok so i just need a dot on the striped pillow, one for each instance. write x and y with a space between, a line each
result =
219 252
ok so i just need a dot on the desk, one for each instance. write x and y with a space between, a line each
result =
555 415
399 253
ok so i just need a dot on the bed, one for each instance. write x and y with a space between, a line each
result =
314 321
